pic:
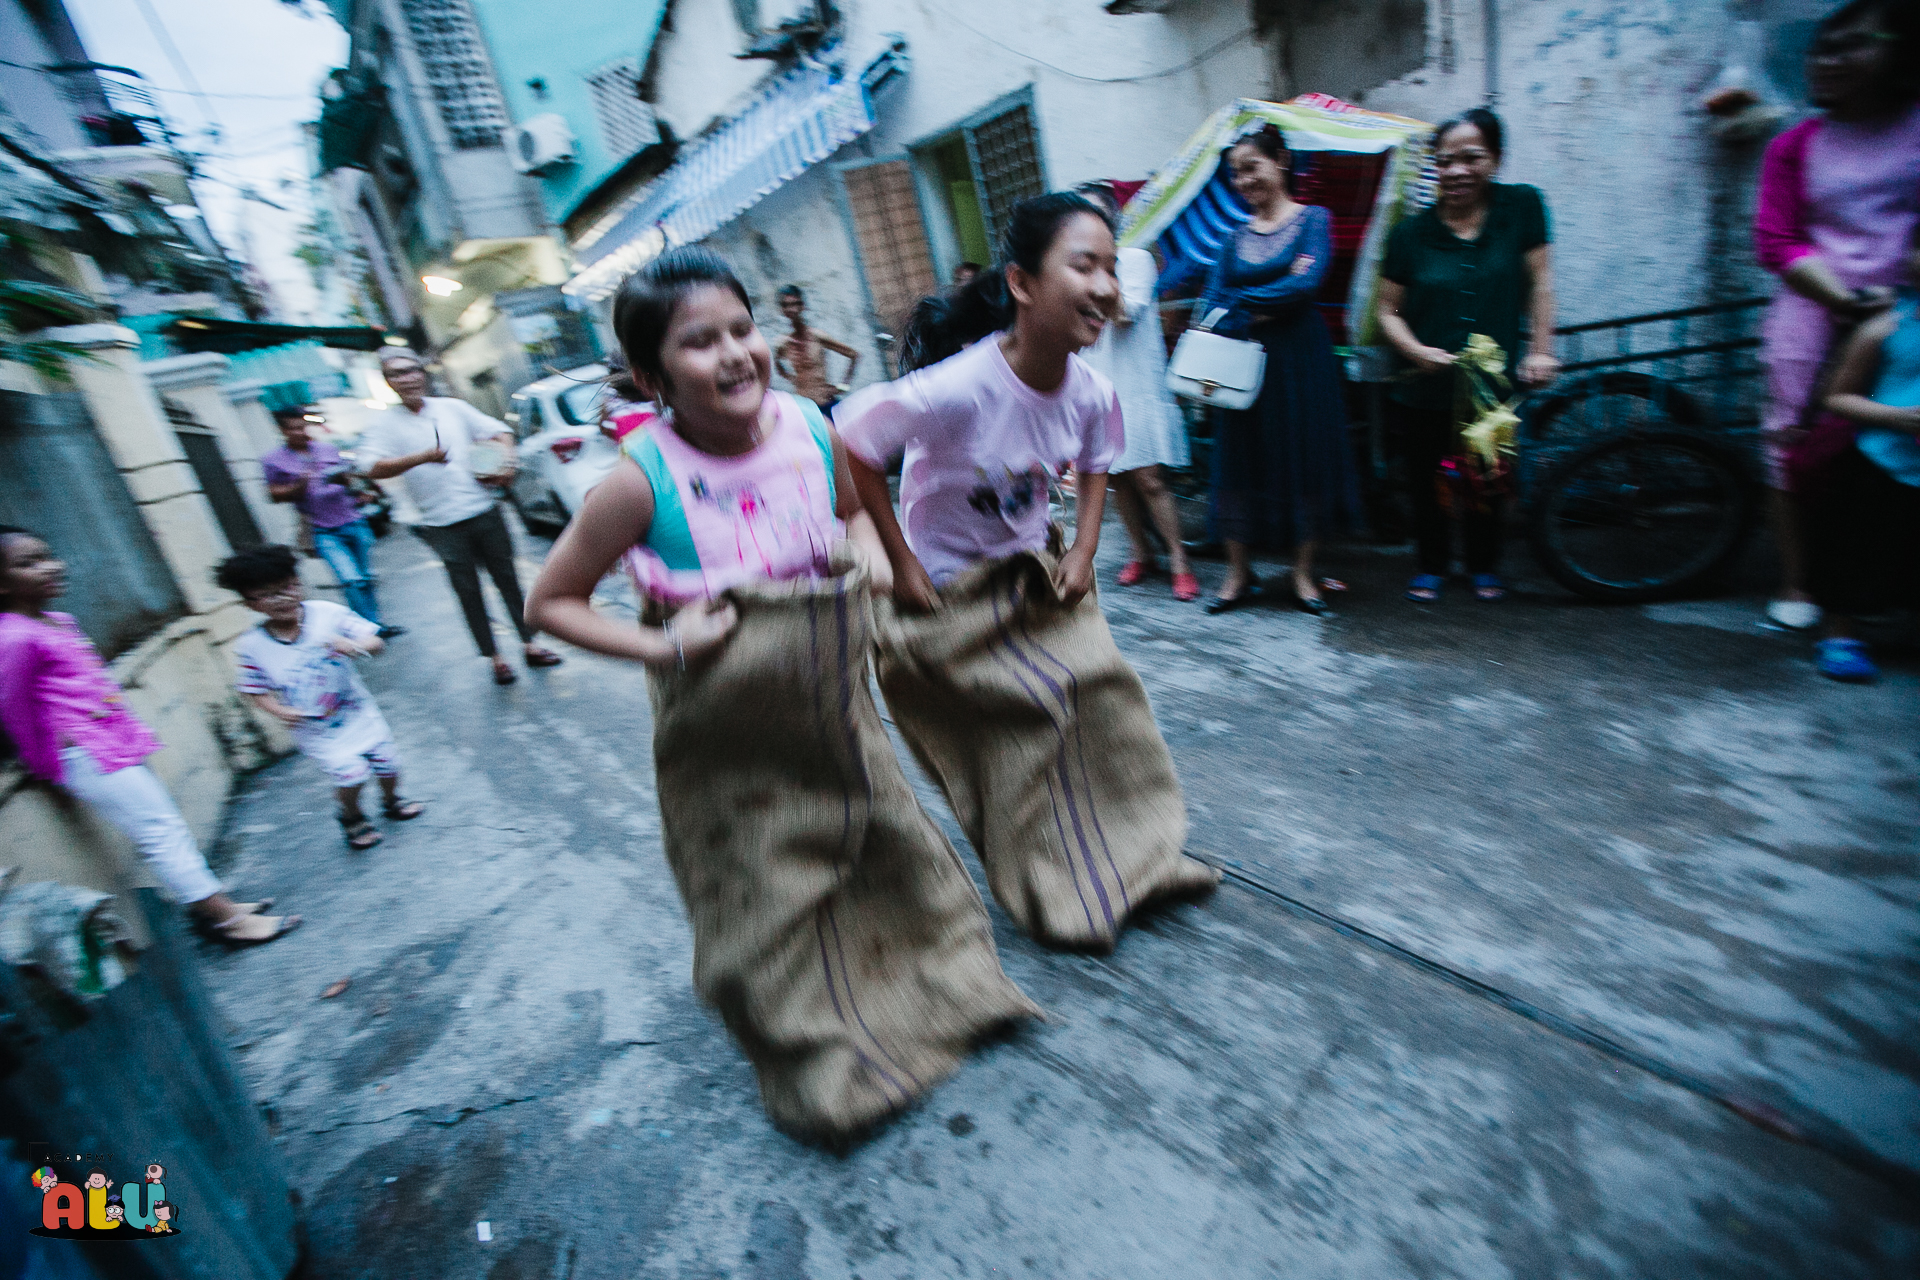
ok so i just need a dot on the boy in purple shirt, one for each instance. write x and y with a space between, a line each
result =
311 474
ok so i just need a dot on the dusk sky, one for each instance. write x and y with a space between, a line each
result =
259 63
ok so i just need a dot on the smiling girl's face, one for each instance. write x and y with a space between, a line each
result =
1075 290
716 363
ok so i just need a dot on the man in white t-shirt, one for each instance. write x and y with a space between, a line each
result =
428 442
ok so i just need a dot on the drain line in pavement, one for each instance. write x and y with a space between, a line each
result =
1753 1111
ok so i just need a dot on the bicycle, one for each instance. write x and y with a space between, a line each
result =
1633 487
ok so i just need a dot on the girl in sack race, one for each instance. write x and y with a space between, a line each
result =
834 928
994 657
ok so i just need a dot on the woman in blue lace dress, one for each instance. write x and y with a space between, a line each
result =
1283 475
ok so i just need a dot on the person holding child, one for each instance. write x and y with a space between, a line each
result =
72 727
1863 506
834 928
994 656
297 666
1838 198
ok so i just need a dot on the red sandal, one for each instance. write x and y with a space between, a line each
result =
1133 572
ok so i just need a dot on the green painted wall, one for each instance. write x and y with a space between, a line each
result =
562 47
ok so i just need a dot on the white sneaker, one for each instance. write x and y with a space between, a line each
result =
1794 615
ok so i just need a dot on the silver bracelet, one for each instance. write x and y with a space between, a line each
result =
673 634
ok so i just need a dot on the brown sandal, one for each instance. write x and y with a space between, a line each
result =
400 810
361 834
537 657
502 673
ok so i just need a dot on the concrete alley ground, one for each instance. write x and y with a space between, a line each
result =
1561 941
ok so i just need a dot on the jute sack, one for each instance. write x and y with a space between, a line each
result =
835 929
1042 738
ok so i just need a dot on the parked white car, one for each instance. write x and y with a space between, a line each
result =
563 451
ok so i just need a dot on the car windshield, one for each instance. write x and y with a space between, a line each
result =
579 405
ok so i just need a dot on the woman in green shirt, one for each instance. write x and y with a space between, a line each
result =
1475 261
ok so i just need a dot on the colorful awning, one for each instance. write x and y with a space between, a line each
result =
1366 167
796 122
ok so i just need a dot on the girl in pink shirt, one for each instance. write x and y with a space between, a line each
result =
72 727
834 927
1001 674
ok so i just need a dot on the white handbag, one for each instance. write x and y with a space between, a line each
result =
1211 368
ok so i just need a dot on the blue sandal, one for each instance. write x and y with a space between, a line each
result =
1488 589
1846 660
1425 588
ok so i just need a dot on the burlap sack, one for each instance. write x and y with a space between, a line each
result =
835 929
1042 738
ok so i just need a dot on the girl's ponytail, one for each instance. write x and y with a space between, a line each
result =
944 323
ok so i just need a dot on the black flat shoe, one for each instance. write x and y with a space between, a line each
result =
1317 606
1248 595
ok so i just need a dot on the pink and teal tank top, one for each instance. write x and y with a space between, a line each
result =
719 522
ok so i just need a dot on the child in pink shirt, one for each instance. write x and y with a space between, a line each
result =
71 725
1007 684
834 927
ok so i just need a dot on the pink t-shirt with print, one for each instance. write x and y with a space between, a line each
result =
722 521
980 449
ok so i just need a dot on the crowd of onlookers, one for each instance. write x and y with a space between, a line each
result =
1837 210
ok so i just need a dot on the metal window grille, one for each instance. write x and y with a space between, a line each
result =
1005 154
62 483
202 448
627 125
892 240
458 71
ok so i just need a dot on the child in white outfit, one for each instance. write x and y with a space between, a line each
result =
297 666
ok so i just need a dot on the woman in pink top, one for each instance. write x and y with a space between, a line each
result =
71 726
1839 196
999 670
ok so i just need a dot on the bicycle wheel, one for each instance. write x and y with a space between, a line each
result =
1594 406
1642 517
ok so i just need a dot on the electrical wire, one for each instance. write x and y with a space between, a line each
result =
164 88
253 97
1188 65
172 51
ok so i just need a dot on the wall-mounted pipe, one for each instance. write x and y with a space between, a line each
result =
1491 10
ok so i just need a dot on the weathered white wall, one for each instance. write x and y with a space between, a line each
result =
964 58
1601 105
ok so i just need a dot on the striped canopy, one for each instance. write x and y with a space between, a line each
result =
1367 167
796 122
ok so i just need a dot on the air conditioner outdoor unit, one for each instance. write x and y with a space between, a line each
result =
541 142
